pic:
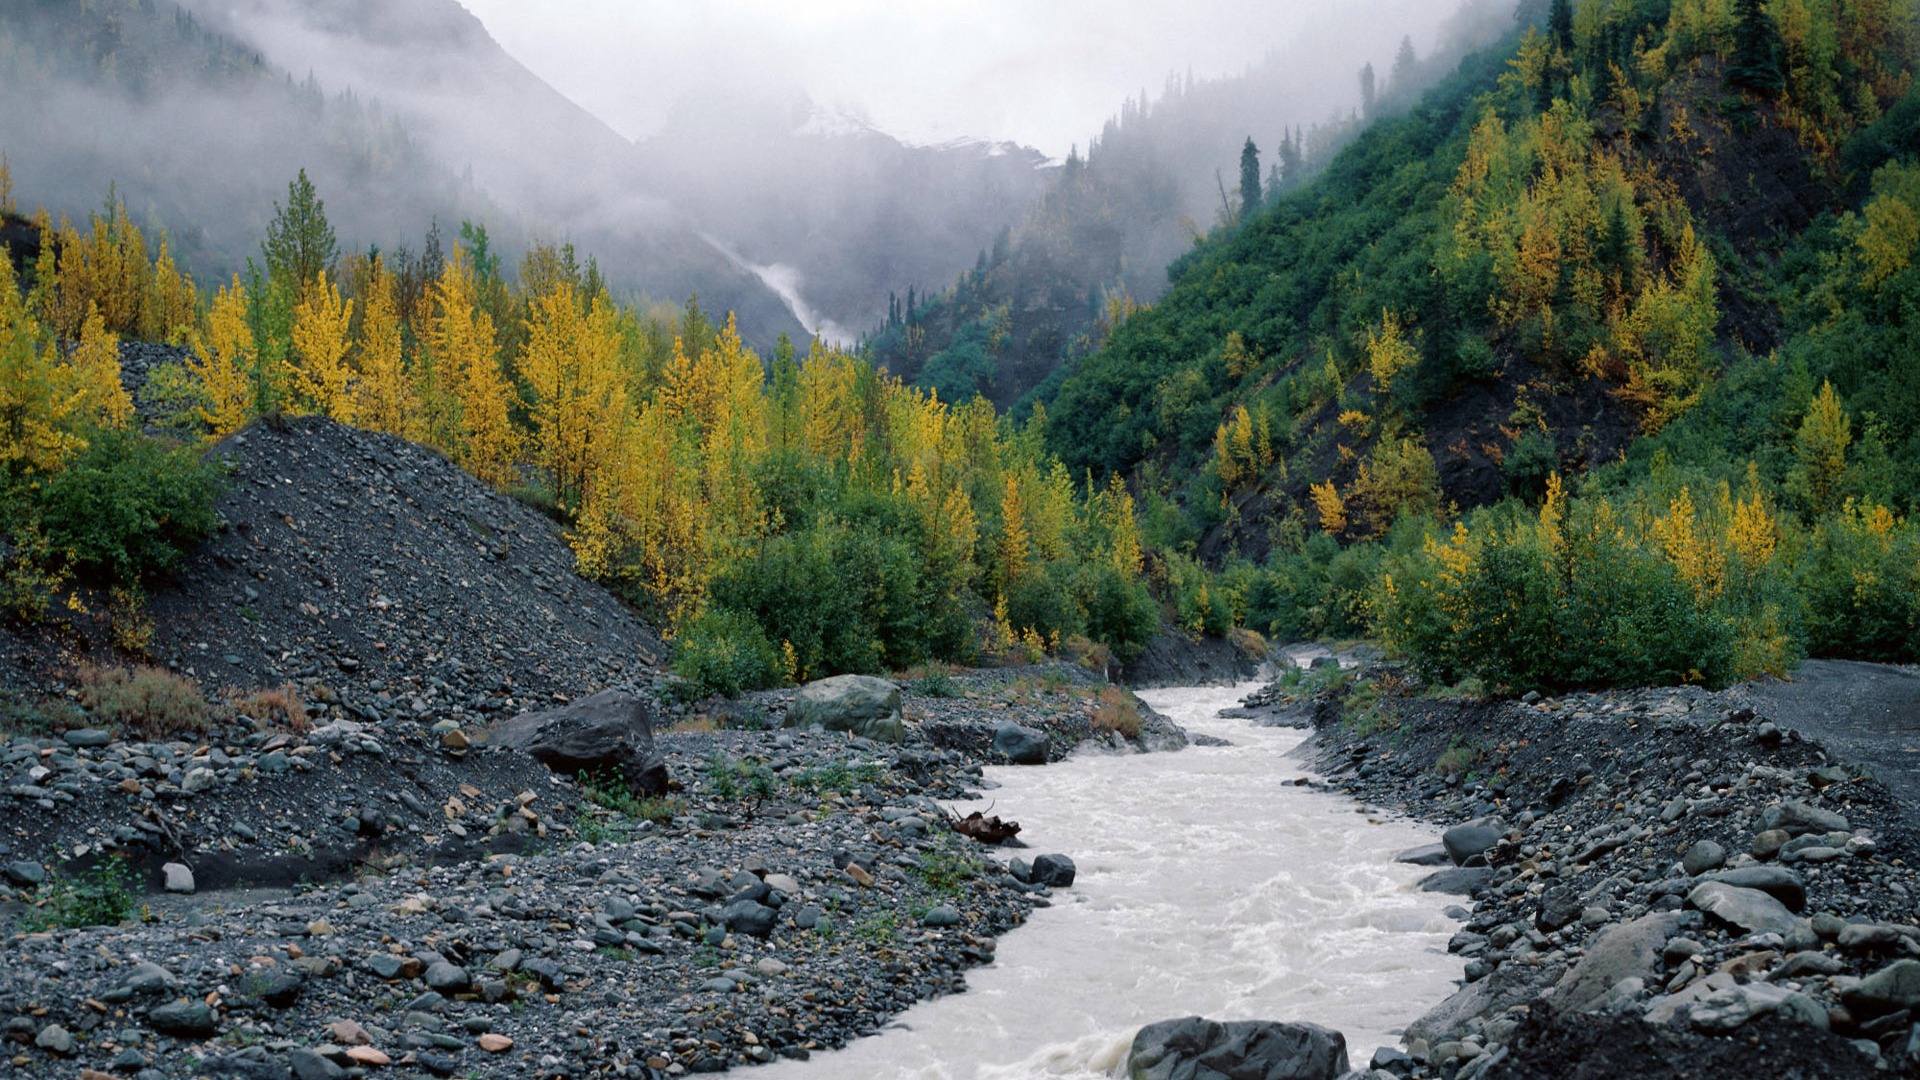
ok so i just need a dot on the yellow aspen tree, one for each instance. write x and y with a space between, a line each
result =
1331 507
322 321
46 401
1389 353
1821 446
1691 551
1224 462
171 305
223 361
461 337
1123 528
1235 354
1013 546
6 187
384 398
571 363
98 394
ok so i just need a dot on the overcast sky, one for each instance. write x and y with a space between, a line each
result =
1046 73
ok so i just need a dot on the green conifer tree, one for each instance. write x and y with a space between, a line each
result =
1250 198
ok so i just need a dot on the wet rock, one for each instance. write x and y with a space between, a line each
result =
1425 855
860 704
1053 871
608 734
1463 842
82 738
1195 1048
1020 744
308 1065
1559 906
1457 880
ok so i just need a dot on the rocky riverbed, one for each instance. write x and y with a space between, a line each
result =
399 895
1664 883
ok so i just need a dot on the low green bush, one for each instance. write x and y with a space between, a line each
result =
128 507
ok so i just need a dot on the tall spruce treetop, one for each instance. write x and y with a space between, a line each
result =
1560 25
1367 90
1756 50
299 242
1250 198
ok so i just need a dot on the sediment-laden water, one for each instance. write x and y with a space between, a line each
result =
1208 884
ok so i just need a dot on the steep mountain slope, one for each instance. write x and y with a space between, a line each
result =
1559 250
1161 174
556 172
199 134
847 209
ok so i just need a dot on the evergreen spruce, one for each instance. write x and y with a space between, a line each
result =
1250 198
1756 51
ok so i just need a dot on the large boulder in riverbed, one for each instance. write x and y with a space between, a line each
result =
1195 1048
606 735
866 706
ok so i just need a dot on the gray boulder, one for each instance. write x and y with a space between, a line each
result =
1021 745
1894 987
1749 909
1195 1048
1463 842
750 917
1795 818
1781 884
1053 871
1425 855
606 735
861 704
1631 949
1703 856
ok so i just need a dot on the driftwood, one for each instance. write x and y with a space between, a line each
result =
987 830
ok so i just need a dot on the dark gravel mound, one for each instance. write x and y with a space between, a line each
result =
378 568
1569 1047
1175 659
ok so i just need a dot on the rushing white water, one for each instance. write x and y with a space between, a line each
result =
1208 885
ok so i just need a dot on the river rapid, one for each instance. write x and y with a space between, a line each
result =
1208 884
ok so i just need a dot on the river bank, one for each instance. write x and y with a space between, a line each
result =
1665 882
462 912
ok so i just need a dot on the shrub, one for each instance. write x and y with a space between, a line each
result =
280 706
724 652
149 702
128 508
99 896
1121 612
1861 580
1117 711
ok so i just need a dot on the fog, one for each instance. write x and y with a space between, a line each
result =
793 162
1041 74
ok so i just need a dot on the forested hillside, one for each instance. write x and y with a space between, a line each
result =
1161 173
1676 234
1596 366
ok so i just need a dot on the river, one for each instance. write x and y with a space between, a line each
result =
1208 884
